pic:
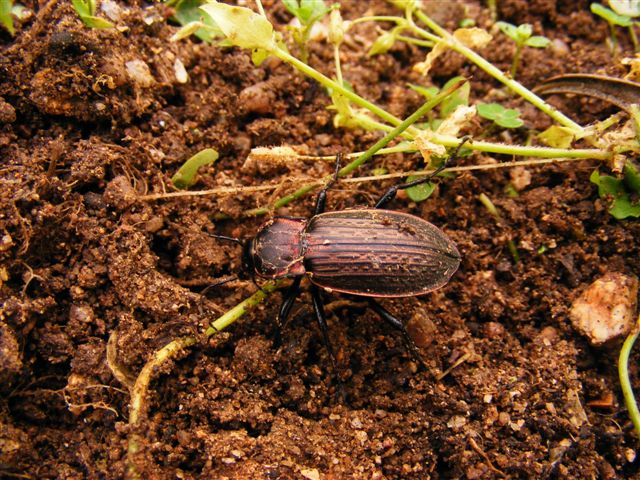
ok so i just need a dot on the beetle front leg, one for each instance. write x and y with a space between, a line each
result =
285 309
398 325
322 196
393 191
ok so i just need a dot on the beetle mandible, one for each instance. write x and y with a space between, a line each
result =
368 252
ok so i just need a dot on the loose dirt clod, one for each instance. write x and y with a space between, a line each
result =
607 308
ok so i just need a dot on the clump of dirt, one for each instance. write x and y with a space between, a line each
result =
94 279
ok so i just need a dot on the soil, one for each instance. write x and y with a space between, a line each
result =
88 268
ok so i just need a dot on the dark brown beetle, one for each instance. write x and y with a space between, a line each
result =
365 252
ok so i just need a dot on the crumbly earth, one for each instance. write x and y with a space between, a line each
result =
94 279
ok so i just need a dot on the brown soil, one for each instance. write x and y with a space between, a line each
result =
83 260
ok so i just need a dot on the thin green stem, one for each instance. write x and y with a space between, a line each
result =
634 37
614 39
260 8
493 10
516 61
243 307
379 18
634 111
522 150
492 70
625 381
336 87
336 58
383 142
416 41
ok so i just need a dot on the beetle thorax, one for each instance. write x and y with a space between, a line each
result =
277 250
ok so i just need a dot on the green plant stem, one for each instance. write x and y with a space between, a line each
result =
336 87
370 152
336 58
625 381
496 73
260 8
138 404
416 41
634 111
634 37
493 10
524 150
379 18
516 61
243 307
614 38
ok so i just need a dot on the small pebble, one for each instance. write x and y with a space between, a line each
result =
139 73
607 308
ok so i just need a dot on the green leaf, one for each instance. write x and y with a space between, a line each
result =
195 21
82 8
259 55
307 11
523 32
538 41
632 176
557 136
490 111
629 8
383 43
96 22
612 190
509 120
6 19
243 27
86 10
420 192
467 23
185 177
427 92
459 97
504 117
508 29
610 16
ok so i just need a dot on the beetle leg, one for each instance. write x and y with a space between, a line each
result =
322 196
285 309
391 193
398 325
321 317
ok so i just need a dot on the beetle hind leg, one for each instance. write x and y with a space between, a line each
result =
398 325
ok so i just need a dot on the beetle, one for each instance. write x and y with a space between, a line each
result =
366 252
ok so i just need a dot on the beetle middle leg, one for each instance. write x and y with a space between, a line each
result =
321 317
398 325
322 196
392 192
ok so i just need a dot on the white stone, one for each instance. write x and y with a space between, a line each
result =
607 308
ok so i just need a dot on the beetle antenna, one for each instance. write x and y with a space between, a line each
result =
220 281
224 237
